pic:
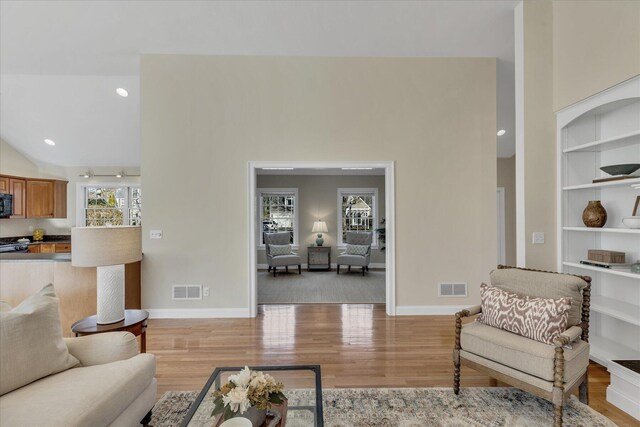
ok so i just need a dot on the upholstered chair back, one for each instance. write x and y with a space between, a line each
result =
543 285
359 237
280 238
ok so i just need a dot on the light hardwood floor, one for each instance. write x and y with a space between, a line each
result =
356 346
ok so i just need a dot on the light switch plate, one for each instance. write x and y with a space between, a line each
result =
205 291
538 237
155 234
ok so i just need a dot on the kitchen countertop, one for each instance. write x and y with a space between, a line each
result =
21 256
54 238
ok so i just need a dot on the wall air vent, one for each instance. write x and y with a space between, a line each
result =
452 289
186 292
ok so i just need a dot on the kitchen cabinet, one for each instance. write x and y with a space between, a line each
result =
62 247
18 188
49 248
36 197
4 184
46 198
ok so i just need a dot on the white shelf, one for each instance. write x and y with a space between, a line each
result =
620 310
613 142
603 350
617 183
613 271
604 230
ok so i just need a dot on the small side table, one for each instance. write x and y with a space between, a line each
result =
135 321
319 256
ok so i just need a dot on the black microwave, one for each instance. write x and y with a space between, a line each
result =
6 205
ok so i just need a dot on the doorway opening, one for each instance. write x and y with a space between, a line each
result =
320 213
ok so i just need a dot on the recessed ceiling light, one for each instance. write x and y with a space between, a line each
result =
49 142
122 92
501 132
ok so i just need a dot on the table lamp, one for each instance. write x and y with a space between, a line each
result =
108 249
319 227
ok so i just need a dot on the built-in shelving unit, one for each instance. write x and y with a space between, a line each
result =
603 350
604 230
622 272
599 131
619 183
607 143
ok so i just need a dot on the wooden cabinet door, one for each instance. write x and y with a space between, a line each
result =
47 248
40 199
4 184
60 199
18 188
34 249
62 247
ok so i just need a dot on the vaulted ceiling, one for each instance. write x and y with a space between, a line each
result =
61 61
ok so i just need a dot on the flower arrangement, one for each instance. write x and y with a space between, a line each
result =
245 390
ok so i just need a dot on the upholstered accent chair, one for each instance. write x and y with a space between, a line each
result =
362 238
275 261
548 371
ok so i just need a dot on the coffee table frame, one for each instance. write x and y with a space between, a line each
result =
215 378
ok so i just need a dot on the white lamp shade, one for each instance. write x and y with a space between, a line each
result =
100 246
319 227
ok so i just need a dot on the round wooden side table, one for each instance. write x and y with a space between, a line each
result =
135 321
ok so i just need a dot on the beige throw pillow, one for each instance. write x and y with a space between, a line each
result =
540 319
31 345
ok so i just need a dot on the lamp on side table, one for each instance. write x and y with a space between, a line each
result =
108 249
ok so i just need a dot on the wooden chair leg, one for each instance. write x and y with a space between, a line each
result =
557 415
456 378
274 272
338 268
349 269
269 269
362 271
299 268
583 390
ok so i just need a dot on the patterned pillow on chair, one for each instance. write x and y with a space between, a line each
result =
356 249
539 319
277 250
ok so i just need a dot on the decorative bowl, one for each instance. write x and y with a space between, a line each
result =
625 169
631 221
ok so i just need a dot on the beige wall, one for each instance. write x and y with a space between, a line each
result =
318 199
205 117
539 170
12 162
572 50
596 46
507 180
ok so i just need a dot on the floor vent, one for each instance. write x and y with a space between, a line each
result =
452 290
186 292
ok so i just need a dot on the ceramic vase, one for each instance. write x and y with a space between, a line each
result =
594 215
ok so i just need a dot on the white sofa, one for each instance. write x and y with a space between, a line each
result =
113 385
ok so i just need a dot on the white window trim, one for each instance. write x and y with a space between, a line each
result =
259 193
376 220
81 198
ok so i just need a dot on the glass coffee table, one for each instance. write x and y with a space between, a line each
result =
302 386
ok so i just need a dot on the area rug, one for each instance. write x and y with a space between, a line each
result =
408 407
312 287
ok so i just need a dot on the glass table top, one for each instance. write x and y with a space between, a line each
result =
302 386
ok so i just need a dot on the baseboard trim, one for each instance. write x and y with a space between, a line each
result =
623 402
376 265
429 310
196 313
